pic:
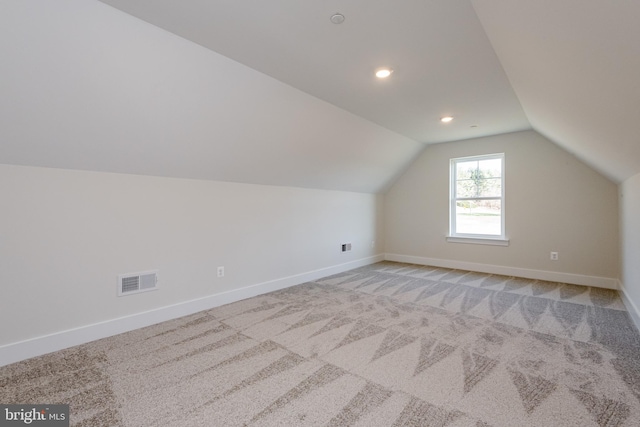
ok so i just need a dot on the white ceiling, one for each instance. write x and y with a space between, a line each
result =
575 66
89 86
572 66
443 62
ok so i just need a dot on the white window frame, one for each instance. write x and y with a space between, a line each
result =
486 239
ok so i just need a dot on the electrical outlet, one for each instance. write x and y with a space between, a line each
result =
220 271
373 243
554 256
346 247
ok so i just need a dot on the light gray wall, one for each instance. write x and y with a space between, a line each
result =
630 242
65 236
554 202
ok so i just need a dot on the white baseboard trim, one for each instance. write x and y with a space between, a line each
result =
552 276
22 350
632 309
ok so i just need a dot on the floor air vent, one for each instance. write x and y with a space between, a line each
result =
134 283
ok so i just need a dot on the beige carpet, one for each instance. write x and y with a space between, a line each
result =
385 345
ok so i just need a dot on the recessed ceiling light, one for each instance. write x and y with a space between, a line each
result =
337 18
383 73
446 119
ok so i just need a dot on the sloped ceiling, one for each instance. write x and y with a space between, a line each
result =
442 60
87 86
573 64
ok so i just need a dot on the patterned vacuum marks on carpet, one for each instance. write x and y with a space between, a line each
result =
385 345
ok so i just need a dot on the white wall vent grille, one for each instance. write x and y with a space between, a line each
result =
133 283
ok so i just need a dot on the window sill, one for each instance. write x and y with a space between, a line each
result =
478 240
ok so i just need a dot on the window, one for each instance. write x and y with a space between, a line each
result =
477 199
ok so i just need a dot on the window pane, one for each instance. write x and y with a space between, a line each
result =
466 188
490 168
479 178
489 188
464 169
479 217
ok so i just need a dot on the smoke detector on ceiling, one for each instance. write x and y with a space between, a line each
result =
337 18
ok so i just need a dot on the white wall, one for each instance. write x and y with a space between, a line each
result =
65 235
630 244
553 203
86 87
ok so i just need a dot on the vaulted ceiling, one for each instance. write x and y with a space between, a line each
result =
273 92
442 60
570 69
575 67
